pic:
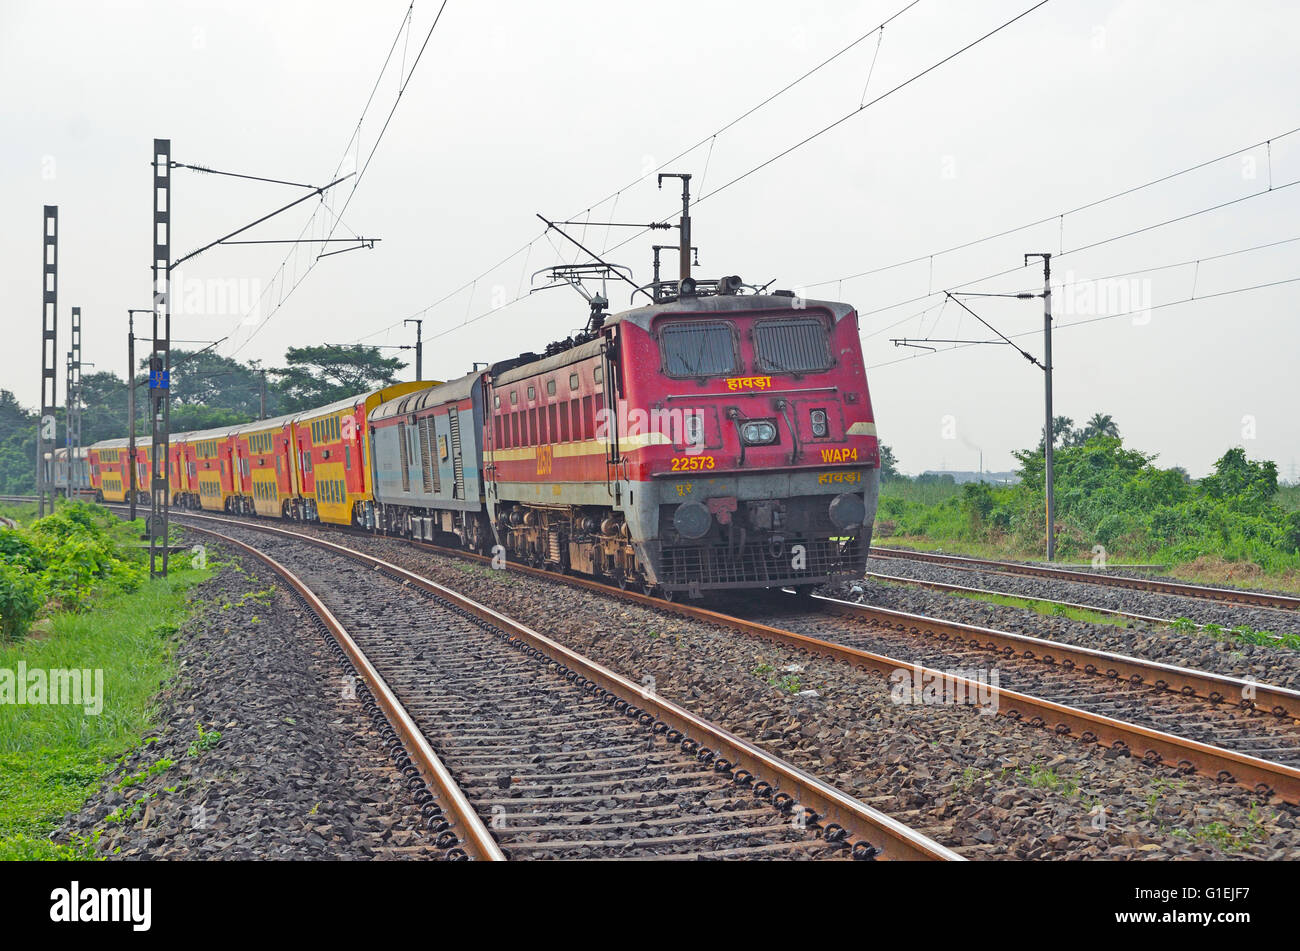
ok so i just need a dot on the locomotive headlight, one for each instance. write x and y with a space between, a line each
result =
819 425
758 432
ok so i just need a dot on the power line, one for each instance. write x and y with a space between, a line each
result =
1059 216
1110 277
614 195
354 138
1093 320
339 216
856 111
1086 247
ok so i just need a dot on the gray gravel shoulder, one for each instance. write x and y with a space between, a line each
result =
298 771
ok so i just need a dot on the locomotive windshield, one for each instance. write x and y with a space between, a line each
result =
698 349
792 345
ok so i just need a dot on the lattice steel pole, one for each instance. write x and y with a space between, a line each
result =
46 426
73 419
160 359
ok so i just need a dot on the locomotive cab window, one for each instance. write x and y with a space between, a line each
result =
698 349
792 345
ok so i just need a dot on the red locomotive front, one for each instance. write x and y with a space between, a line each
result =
733 446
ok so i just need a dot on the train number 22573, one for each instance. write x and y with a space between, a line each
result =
692 463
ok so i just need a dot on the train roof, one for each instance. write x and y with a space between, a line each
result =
545 364
453 390
726 304
527 364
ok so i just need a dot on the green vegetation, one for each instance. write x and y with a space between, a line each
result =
98 613
1110 496
208 739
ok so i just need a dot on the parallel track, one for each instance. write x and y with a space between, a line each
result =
559 756
1249 717
1183 589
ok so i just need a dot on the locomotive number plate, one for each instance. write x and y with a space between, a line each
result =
692 463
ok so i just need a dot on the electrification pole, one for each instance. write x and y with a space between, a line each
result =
1048 434
684 228
160 358
73 413
419 346
133 488
47 427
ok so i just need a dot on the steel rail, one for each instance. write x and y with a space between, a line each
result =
891 838
1156 585
474 836
983 592
1217 688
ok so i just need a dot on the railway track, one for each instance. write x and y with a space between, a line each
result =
1184 589
519 747
1236 730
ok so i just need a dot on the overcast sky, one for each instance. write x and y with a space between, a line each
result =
519 107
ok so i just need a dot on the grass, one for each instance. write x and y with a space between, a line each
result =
52 756
1046 608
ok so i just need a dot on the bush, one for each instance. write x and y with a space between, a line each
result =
18 601
17 549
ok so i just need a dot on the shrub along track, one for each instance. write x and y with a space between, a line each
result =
972 784
561 757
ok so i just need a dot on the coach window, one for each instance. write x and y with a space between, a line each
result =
598 374
532 392
573 381
550 387
496 401
698 348
514 397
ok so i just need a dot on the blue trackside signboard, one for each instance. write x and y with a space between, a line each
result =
159 380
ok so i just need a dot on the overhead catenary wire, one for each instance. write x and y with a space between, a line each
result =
1098 319
1086 247
614 195
1059 215
355 138
856 111
1064 285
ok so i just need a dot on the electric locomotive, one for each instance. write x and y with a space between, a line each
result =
711 440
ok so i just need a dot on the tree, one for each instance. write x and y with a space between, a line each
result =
317 376
1101 424
888 464
1236 477
17 446
1063 433
204 378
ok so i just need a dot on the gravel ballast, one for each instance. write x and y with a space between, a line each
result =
1150 603
1279 666
298 771
980 784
